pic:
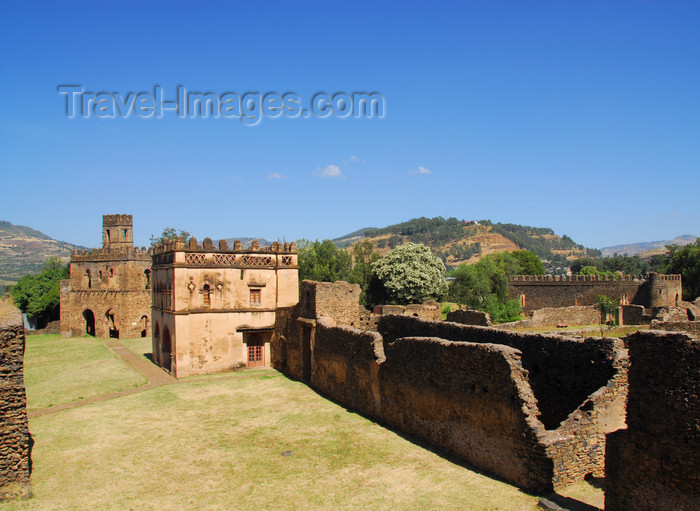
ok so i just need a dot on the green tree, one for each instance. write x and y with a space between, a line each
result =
322 261
408 274
39 295
484 285
686 262
606 306
170 233
363 256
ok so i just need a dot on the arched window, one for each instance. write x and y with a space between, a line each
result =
148 278
89 278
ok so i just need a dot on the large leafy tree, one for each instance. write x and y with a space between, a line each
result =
39 295
363 255
686 262
322 261
484 285
170 233
408 274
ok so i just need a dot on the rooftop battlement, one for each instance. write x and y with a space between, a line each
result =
110 253
208 246
117 220
575 278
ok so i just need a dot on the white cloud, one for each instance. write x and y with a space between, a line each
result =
357 159
421 170
329 172
276 175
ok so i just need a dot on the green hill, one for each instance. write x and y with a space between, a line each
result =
457 241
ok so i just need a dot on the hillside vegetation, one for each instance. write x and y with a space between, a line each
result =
459 241
24 250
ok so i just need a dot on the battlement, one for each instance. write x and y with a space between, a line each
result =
524 279
111 253
117 220
208 246
658 276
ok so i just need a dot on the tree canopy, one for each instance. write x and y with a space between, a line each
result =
323 261
408 274
170 233
38 295
686 262
484 285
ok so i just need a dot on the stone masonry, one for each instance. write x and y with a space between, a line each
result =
109 290
655 463
15 440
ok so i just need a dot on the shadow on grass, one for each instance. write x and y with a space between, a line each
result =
570 504
149 356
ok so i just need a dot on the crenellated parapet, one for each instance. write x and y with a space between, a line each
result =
520 279
111 254
208 254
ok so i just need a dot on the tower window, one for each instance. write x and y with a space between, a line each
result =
255 296
124 231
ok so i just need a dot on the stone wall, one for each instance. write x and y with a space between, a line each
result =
469 317
574 315
540 291
655 463
15 440
530 408
692 327
632 315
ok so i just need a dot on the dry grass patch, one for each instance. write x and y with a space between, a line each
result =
60 370
255 441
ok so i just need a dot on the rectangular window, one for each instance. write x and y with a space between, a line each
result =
255 296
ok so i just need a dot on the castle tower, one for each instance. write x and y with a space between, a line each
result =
664 290
117 231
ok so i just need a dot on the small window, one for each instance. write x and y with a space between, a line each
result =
124 233
255 296
205 295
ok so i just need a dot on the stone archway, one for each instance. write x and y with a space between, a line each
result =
144 325
89 317
111 324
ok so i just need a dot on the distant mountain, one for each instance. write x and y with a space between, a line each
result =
23 250
647 248
459 241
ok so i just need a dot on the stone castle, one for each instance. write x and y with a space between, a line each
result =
214 308
109 290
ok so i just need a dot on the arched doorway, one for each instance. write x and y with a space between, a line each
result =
111 325
256 351
89 317
166 362
144 326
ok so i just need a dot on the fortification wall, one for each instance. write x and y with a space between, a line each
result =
655 463
540 291
15 440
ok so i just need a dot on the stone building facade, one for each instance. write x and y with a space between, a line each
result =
540 291
15 440
109 290
214 308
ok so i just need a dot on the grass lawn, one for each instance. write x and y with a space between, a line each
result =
61 370
255 440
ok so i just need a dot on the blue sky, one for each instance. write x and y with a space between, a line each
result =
580 116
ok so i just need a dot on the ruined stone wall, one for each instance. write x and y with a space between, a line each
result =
655 463
631 315
469 317
345 365
338 301
530 408
692 327
15 461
